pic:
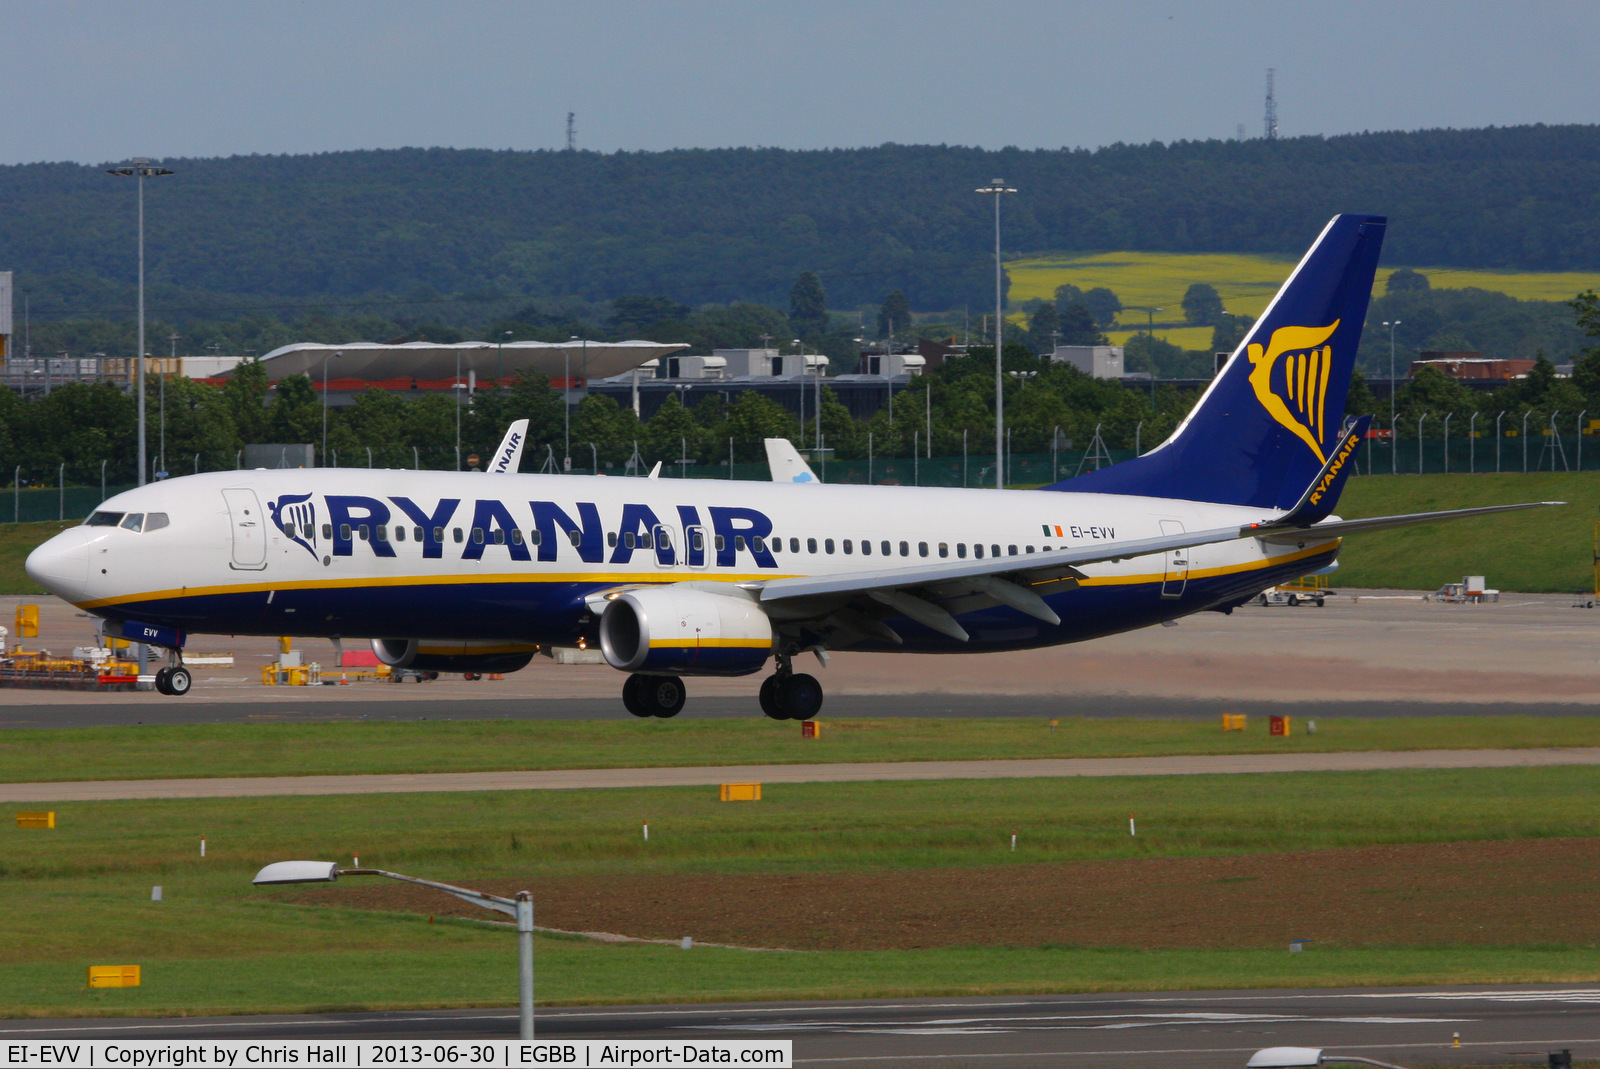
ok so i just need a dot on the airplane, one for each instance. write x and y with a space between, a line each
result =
474 572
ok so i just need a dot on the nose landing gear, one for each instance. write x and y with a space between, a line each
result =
174 680
657 696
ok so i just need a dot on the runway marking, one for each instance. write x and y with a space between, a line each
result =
700 776
1114 1021
1331 1054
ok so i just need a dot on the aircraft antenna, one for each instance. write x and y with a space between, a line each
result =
572 131
1270 125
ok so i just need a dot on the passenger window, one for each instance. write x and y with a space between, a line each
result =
383 532
399 533
994 551
849 547
977 550
133 521
1011 550
697 541
776 545
327 530
516 537
759 544
944 549
644 540
811 545
905 549
477 536
438 534
884 546
611 540
154 521
103 519
363 531
738 543
455 532
1028 548
721 543
794 545
665 541
575 537
627 540
308 530
827 545
499 536
961 550
535 537
344 532
866 547
922 549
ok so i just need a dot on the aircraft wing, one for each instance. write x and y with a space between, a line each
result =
509 456
1339 528
787 465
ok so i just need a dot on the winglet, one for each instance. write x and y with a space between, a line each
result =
1317 503
509 456
787 465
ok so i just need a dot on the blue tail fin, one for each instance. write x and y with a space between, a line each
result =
1266 427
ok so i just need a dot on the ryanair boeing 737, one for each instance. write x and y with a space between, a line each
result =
464 572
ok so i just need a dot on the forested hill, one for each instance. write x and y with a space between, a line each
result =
719 225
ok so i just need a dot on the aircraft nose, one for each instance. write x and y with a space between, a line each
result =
61 565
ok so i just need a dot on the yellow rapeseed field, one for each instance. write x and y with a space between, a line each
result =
1246 283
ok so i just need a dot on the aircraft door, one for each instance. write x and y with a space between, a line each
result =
249 532
666 551
1175 575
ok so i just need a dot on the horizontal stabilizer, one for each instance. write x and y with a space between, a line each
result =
1339 528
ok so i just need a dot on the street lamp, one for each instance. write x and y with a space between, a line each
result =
521 908
500 355
336 353
566 405
1394 447
997 189
140 168
1150 350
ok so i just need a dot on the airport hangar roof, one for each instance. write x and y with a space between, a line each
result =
373 361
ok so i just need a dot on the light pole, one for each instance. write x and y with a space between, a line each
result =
1150 349
566 405
500 356
338 353
997 189
521 908
1394 446
140 168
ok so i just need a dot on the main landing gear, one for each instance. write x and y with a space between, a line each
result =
658 696
790 695
174 680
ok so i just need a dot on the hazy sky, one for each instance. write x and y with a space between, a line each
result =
94 80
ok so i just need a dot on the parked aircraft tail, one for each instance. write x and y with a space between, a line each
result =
1273 419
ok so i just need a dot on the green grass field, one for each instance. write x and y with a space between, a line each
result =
1549 550
1246 283
79 895
275 749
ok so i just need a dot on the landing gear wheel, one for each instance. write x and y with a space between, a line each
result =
800 696
162 675
630 696
658 696
769 698
178 681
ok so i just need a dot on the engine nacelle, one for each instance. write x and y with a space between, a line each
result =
679 630
438 655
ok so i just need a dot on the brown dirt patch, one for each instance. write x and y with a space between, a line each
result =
1500 893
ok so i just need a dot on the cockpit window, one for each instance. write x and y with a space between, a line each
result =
133 521
154 521
103 519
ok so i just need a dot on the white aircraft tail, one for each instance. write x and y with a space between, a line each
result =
787 465
509 456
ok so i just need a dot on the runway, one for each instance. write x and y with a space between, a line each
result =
702 776
1496 1025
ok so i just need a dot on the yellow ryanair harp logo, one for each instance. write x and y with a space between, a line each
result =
1298 397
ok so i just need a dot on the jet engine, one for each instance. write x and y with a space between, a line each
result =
438 655
681 630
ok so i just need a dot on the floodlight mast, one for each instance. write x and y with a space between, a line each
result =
521 908
139 168
997 188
